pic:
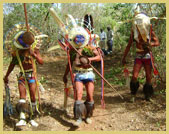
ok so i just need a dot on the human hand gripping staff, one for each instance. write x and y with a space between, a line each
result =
79 44
68 43
145 38
24 48
83 75
93 68
148 48
153 44
25 80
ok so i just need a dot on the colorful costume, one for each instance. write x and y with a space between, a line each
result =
85 76
79 36
145 38
19 45
82 47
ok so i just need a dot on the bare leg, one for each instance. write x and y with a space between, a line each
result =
79 90
148 70
89 101
136 70
21 104
79 107
134 84
148 89
22 90
90 89
32 88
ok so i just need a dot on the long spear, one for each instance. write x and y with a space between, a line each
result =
94 68
64 29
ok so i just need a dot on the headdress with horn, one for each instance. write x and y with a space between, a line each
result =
79 31
23 36
18 37
141 24
78 36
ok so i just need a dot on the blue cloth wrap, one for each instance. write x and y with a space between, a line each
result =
21 41
85 77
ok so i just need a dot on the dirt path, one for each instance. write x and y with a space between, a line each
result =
118 115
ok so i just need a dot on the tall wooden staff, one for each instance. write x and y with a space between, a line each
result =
32 60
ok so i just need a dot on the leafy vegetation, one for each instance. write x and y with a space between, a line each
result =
119 115
116 15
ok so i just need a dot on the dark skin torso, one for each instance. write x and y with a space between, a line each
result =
140 45
79 85
95 58
27 59
26 66
143 48
78 64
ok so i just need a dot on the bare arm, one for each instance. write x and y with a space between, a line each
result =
36 55
77 60
155 42
128 47
10 69
97 56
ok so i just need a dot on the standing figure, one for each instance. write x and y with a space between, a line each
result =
145 38
83 73
84 76
25 53
110 35
102 40
81 46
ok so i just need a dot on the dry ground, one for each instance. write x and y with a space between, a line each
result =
118 115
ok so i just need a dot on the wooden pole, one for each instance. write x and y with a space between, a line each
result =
26 18
94 69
